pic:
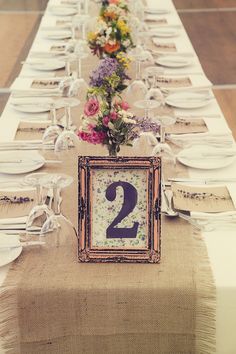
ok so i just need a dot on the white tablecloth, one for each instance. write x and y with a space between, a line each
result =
221 244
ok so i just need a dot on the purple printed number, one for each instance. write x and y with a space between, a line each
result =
129 203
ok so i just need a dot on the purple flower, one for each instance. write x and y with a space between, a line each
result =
106 68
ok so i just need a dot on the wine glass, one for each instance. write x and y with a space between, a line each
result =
153 93
79 84
137 88
147 105
80 21
66 140
56 182
68 104
162 148
41 212
51 133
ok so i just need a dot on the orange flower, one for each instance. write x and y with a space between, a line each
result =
114 2
111 48
110 15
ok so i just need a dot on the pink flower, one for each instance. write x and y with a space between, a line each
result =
113 115
105 120
83 135
124 105
92 137
91 126
97 137
91 107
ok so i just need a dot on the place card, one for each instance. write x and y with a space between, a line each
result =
187 126
47 84
16 203
31 130
158 21
62 23
68 2
209 199
172 82
165 47
58 48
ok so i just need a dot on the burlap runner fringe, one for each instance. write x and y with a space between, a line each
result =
205 312
9 325
206 301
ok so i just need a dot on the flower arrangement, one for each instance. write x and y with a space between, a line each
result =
109 79
110 126
123 4
112 34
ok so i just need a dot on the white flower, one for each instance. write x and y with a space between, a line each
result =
112 42
101 41
126 43
125 114
108 32
129 121
111 126
101 26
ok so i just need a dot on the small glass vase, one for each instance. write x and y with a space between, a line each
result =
113 150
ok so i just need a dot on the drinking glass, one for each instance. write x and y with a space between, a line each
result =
56 182
150 77
41 212
162 148
51 133
147 105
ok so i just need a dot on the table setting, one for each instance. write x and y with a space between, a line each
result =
75 97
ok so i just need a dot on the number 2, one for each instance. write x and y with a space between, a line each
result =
129 203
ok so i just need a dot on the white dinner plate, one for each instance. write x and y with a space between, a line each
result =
166 32
173 61
30 161
206 163
8 255
32 105
62 11
188 100
57 34
46 65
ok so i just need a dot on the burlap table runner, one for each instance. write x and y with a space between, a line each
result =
51 304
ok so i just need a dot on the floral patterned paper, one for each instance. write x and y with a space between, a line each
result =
105 211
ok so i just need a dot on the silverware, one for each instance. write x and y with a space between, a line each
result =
193 116
22 244
30 161
193 99
203 180
213 155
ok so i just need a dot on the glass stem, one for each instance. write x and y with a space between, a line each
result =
138 70
79 7
79 69
68 117
73 31
162 134
57 202
54 116
68 68
84 31
153 81
86 6
39 195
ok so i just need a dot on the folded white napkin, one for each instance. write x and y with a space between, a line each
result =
223 139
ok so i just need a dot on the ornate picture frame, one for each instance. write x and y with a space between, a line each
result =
119 209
